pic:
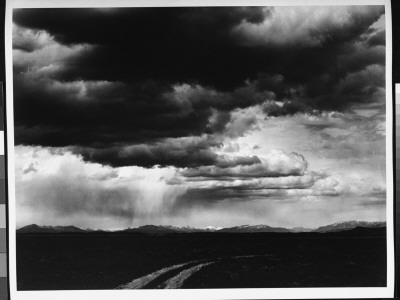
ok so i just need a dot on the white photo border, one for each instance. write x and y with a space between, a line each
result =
276 293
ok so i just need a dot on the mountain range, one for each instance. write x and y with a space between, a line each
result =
168 229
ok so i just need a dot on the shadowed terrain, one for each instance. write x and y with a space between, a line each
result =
353 258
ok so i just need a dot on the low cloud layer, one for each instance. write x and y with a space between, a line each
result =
54 186
274 164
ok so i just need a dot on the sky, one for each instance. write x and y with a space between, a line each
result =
199 116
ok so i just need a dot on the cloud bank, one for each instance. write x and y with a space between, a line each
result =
160 114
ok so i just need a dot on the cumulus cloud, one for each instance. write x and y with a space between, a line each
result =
37 54
241 122
30 40
308 26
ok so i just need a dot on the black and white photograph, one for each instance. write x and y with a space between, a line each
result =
215 148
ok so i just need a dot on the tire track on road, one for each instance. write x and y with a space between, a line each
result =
145 280
177 281
180 273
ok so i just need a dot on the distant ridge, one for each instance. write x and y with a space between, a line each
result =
347 225
49 229
158 229
254 228
168 229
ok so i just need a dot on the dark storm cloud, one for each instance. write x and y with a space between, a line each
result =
189 44
151 75
173 44
119 124
276 165
177 152
378 39
189 152
96 26
57 115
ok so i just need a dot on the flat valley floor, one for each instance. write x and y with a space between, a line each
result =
356 258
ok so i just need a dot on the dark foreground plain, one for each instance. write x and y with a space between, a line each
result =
354 258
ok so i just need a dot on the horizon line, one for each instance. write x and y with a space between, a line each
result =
200 228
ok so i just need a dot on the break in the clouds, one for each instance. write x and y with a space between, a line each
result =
234 113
